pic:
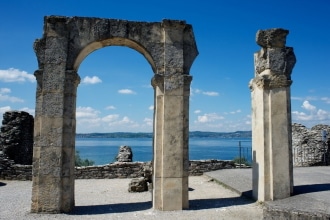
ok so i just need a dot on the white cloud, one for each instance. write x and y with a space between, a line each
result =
115 121
211 93
199 91
151 108
306 105
110 118
148 121
301 116
197 111
110 107
326 100
313 115
4 97
322 114
86 112
126 91
4 90
91 80
211 117
28 110
296 98
4 109
16 75
235 112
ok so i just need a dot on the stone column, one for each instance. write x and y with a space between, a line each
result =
271 116
171 124
54 128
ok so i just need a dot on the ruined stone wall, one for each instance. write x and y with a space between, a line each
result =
10 171
308 147
16 137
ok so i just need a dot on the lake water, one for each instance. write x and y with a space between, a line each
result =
104 150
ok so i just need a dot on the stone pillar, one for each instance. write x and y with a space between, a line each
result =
271 116
54 128
171 125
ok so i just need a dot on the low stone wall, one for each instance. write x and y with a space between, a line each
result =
112 171
10 171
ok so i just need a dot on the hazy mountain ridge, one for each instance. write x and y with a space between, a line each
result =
192 134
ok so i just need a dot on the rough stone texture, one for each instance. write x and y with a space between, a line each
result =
275 37
125 154
274 62
169 47
308 147
11 171
270 213
271 116
16 137
138 185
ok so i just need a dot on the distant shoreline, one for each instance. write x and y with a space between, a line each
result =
192 134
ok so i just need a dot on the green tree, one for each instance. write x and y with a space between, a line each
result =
79 162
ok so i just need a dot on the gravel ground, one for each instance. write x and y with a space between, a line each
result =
110 199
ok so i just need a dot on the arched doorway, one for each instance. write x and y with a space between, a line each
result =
170 49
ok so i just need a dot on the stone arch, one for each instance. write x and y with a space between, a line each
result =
116 41
170 48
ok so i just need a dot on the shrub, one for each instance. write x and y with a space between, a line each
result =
242 160
79 162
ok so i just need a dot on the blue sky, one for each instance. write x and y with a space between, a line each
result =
115 92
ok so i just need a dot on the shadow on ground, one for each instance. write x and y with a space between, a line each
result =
198 204
111 208
302 189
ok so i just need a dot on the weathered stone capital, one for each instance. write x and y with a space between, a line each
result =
274 62
275 38
278 60
268 82
157 81
39 48
72 77
38 74
171 82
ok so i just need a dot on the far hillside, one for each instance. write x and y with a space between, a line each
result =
192 134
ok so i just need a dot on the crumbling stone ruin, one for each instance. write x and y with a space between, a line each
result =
169 47
271 116
125 154
143 183
16 138
308 146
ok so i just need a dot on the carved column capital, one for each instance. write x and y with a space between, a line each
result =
268 82
172 83
72 77
38 74
157 81
274 62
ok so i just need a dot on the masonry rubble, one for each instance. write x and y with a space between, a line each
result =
308 146
16 138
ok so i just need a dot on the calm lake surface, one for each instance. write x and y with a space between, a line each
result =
104 150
